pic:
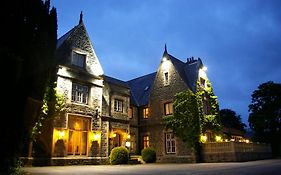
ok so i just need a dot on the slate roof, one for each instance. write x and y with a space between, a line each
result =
65 36
115 81
140 89
188 71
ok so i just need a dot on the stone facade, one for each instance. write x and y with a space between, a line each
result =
102 112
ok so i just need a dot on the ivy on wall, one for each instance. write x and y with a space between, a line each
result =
53 105
188 120
208 122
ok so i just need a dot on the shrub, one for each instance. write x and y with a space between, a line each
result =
148 155
119 155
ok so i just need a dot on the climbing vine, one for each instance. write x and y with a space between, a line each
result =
53 105
209 121
185 119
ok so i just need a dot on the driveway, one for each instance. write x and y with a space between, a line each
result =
260 167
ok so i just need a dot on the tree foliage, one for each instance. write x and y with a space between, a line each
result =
229 119
53 105
265 114
27 48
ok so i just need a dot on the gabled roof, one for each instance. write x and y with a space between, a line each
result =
141 86
191 71
188 71
65 37
140 89
78 40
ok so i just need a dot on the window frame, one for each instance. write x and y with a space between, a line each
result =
79 93
146 141
130 112
145 112
202 82
206 104
169 110
166 78
118 105
170 143
78 57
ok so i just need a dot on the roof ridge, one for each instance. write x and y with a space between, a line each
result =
141 77
115 81
176 59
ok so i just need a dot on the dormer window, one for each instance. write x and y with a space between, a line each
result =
78 59
166 79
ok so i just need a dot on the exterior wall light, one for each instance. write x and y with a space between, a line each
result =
59 134
96 136
112 135
204 68
203 138
218 139
128 144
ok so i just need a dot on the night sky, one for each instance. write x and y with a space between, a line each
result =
239 41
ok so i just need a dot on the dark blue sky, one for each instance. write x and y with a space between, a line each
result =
239 41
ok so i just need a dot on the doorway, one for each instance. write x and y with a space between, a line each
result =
78 135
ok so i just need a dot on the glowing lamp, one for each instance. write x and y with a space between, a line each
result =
203 138
128 144
61 134
112 135
96 137
204 68
218 139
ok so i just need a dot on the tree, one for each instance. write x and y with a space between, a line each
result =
185 119
229 119
265 115
27 48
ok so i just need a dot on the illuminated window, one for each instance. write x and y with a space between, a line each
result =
168 107
130 112
166 78
78 59
118 105
80 93
170 143
145 141
78 135
145 112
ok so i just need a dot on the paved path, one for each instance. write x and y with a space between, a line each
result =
261 167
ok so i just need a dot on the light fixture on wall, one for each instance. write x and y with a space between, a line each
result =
128 144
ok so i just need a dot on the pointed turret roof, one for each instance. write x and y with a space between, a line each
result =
78 39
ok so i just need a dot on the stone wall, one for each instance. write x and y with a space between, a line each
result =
104 139
163 92
235 151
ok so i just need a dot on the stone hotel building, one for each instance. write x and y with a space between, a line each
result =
103 112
